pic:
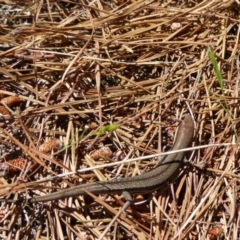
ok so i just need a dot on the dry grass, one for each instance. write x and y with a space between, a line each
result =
79 66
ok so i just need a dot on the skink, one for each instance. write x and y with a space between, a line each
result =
145 182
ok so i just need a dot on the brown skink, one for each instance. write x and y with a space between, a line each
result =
145 182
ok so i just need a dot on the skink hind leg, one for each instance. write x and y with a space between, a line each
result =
127 196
